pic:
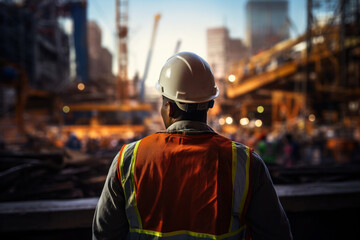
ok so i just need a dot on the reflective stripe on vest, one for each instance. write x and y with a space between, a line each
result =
127 164
240 178
240 168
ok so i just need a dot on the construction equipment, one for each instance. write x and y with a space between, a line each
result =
148 59
122 37
97 120
270 66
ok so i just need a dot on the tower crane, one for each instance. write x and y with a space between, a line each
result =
121 9
148 60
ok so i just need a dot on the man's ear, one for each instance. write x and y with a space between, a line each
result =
171 110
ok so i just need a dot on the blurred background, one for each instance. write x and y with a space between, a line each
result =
77 82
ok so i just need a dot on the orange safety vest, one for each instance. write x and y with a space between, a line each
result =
180 186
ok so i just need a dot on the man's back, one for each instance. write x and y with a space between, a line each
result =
186 180
190 180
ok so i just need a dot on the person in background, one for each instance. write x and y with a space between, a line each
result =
73 142
266 149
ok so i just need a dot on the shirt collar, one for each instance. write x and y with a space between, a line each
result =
188 126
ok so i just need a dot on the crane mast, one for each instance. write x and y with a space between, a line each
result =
148 59
121 9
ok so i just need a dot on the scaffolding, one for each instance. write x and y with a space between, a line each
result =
322 65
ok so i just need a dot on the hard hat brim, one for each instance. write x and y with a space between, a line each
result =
159 88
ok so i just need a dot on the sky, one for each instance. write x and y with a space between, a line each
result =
184 20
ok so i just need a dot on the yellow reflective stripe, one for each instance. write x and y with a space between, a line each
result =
123 175
243 199
122 168
193 234
133 192
233 168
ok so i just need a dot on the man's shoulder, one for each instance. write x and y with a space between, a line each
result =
242 147
152 137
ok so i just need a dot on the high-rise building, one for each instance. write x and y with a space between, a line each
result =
217 39
236 50
222 51
266 23
100 58
94 39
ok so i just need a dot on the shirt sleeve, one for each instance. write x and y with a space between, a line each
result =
110 220
265 216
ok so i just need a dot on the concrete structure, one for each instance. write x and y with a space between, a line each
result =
33 41
266 23
222 51
100 59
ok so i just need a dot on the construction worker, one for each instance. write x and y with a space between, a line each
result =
188 182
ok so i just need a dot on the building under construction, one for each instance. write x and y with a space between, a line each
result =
34 63
312 79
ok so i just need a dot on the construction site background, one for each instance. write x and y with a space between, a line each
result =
64 115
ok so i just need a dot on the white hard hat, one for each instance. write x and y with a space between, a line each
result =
187 78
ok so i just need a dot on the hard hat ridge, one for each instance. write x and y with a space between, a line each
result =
184 60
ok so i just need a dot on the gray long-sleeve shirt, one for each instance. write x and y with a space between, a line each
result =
265 216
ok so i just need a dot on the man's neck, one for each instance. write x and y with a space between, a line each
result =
203 119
